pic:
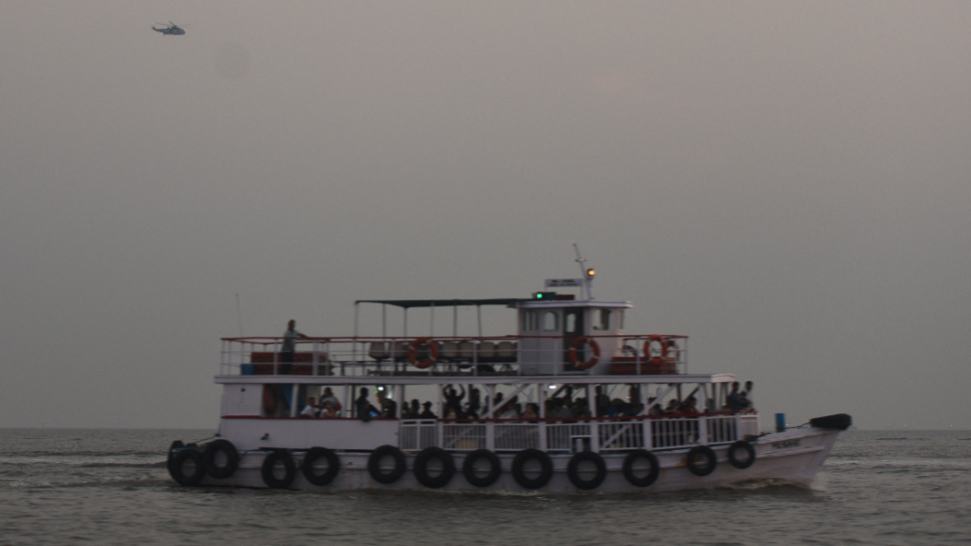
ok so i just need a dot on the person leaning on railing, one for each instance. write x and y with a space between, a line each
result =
289 347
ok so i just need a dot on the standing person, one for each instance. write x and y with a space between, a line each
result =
453 400
747 392
362 406
289 347
387 407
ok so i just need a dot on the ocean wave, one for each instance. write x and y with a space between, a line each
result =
120 453
79 462
957 463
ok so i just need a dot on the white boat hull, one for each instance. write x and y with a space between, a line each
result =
794 456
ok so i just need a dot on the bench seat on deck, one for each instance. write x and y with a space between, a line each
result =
262 364
627 365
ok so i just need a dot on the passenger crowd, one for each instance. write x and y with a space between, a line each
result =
563 404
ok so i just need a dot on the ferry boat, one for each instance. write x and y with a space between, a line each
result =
569 403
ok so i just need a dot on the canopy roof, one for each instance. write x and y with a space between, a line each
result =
446 303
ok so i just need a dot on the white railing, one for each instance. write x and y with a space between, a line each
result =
621 435
417 435
360 356
463 436
571 436
516 436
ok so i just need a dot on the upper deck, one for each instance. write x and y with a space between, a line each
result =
552 335
648 358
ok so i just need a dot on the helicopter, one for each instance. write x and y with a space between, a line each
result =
172 29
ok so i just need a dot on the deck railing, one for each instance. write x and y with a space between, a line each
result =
500 355
604 435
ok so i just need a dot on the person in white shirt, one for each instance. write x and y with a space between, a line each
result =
311 409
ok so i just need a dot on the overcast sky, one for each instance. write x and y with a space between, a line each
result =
787 183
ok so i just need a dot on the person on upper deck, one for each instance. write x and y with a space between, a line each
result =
532 412
289 347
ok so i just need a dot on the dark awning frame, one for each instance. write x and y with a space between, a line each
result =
407 304
432 304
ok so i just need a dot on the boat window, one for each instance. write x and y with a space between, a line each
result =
620 320
571 323
602 319
550 321
530 321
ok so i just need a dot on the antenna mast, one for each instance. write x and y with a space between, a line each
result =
586 274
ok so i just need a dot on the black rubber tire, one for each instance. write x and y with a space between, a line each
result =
520 461
573 470
420 467
333 466
651 477
177 463
733 458
232 459
374 461
269 478
468 468
168 460
708 454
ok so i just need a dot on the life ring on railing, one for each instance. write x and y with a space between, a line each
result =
421 467
268 470
432 352
573 470
594 348
665 347
271 400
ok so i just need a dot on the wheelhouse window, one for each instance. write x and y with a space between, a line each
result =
601 319
530 321
551 322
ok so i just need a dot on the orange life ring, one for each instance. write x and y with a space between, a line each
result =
271 401
665 347
432 352
579 342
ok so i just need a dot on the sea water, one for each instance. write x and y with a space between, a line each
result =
112 487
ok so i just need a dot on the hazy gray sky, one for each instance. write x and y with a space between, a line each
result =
787 183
